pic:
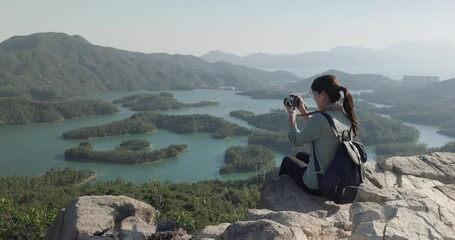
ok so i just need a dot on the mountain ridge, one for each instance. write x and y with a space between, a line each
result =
69 65
408 53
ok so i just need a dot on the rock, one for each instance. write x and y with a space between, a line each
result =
262 229
211 232
434 166
282 194
91 217
311 226
402 198
178 234
407 198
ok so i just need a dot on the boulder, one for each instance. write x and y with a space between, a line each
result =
261 229
407 198
402 198
211 232
287 212
104 217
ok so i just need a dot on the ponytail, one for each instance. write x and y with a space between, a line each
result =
331 85
348 106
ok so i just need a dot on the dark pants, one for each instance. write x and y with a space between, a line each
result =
295 167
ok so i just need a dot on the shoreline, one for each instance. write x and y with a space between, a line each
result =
90 178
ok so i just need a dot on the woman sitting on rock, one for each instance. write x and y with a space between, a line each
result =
317 130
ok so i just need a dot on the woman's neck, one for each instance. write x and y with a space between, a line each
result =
327 104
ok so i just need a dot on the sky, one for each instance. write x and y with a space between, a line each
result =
241 27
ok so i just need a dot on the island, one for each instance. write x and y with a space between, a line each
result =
134 145
148 122
389 136
123 155
160 101
245 159
22 111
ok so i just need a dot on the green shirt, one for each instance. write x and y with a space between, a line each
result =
317 130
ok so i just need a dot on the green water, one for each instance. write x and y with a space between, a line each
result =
35 148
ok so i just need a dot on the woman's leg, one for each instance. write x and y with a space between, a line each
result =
303 156
294 167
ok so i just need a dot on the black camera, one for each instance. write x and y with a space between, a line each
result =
291 102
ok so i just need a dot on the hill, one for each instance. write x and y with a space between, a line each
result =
335 57
352 81
62 65
429 104
432 53
403 54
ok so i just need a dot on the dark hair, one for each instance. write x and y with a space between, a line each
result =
331 85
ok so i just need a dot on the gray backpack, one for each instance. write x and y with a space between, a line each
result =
345 173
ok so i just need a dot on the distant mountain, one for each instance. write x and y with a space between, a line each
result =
433 53
404 54
61 65
351 81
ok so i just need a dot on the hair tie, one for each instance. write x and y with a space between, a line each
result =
342 88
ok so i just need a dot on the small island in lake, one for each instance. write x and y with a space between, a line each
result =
244 159
160 101
146 122
22 111
134 145
129 152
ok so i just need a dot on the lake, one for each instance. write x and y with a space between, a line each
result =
35 148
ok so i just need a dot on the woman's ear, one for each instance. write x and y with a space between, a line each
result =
323 94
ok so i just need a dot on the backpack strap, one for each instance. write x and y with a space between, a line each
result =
332 124
316 163
345 139
334 129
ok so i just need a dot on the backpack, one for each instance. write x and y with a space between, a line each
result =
345 172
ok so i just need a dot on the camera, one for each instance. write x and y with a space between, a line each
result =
291 102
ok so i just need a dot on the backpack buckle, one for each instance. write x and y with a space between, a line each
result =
346 136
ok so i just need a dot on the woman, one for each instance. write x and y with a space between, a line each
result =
317 130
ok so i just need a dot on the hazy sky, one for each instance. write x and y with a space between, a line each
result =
235 26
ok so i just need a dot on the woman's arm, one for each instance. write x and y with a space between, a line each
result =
311 131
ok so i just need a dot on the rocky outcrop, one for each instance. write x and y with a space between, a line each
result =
403 198
104 217
407 198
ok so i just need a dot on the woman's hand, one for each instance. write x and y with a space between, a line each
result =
291 115
302 107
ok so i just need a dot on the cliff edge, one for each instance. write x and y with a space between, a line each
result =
403 198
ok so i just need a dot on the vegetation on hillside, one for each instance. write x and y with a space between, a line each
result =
28 205
270 93
276 120
352 81
145 122
20 111
244 159
160 101
84 152
134 145
59 65
276 140
430 104
374 130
